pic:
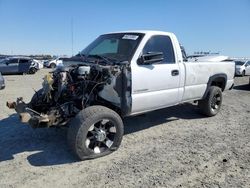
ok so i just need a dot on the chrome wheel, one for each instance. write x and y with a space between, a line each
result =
216 101
96 131
211 104
100 136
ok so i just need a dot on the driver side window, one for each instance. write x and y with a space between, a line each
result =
160 43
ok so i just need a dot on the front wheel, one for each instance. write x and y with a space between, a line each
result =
243 73
95 132
211 105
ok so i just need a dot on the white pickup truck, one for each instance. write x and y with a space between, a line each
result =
122 74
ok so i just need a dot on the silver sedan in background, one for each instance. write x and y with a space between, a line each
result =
242 68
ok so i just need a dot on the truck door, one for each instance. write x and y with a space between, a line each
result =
156 86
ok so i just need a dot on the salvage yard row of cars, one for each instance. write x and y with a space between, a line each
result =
19 65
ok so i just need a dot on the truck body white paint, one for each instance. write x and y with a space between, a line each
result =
153 86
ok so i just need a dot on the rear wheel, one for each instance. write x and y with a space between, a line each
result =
95 132
243 73
211 105
52 65
32 70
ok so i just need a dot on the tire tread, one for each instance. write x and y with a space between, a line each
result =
204 104
83 119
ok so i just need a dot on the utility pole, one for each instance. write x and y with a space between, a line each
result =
72 38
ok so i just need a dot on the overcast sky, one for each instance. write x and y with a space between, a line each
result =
44 26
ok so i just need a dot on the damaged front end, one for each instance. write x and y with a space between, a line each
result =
27 115
67 91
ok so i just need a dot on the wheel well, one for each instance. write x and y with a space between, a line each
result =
107 104
218 80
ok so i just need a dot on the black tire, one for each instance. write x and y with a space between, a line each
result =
35 98
211 105
52 65
243 73
85 135
32 70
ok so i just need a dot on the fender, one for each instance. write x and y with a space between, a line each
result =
219 80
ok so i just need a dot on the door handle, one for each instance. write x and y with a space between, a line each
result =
174 72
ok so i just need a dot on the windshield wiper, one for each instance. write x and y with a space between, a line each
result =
108 60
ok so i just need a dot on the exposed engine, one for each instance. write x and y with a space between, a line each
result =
68 90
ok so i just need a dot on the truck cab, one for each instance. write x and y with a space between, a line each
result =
170 80
157 84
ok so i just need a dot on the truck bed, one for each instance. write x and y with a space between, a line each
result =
197 76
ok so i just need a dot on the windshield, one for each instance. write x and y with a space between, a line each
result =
116 47
239 63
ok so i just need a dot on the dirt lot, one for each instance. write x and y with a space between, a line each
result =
174 147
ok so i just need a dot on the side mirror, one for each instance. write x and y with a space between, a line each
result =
150 58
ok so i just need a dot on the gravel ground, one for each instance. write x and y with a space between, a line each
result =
174 147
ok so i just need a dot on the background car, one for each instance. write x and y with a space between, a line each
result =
53 63
18 65
2 83
242 68
39 63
